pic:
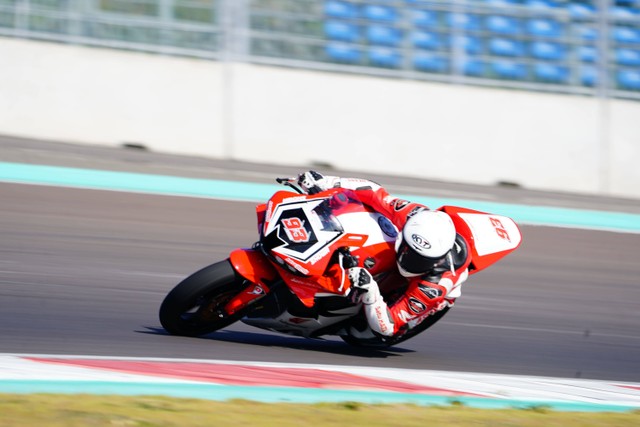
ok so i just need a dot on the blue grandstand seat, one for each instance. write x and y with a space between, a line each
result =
502 24
626 3
629 79
343 52
589 76
430 63
385 57
340 9
580 11
510 70
343 31
624 13
427 40
628 57
383 36
541 4
380 13
539 27
586 33
549 51
551 73
474 67
626 35
506 47
470 44
502 3
587 53
463 21
425 18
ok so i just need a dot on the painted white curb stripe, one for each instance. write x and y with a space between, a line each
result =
15 367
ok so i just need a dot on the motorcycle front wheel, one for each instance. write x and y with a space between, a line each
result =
195 306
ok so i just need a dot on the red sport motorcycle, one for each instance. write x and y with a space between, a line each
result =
279 284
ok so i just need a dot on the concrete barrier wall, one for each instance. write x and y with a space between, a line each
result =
286 116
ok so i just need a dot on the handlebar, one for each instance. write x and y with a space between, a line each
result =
291 182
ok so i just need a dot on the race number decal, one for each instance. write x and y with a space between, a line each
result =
500 229
300 231
294 227
492 233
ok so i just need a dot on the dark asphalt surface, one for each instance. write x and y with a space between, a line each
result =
84 272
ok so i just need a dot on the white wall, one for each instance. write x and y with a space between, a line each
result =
102 96
286 116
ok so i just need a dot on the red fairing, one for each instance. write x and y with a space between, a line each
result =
261 213
301 233
253 266
297 236
490 237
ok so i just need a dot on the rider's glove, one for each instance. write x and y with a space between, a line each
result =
312 182
347 260
363 288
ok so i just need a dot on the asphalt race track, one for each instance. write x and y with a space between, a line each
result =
83 272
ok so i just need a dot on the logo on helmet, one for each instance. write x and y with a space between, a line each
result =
420 241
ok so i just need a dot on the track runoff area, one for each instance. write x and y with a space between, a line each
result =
284 382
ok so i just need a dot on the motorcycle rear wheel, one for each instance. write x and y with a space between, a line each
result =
380 342
425 324
195 306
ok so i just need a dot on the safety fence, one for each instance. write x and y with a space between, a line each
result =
587 47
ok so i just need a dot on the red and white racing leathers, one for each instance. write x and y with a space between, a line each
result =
425 294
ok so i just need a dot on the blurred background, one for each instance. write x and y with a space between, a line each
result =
430 98
539 93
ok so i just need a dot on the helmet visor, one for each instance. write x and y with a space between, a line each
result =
414 263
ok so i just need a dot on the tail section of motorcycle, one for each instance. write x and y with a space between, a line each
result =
490 236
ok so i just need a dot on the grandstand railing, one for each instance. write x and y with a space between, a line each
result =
586 47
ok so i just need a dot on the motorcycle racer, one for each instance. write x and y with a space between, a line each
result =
432 257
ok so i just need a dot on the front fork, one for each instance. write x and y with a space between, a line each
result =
253 266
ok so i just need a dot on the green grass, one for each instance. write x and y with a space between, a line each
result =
85 410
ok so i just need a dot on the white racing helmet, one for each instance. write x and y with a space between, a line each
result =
424 242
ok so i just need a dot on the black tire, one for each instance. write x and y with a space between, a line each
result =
376 343
380 342
425 324
194 306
